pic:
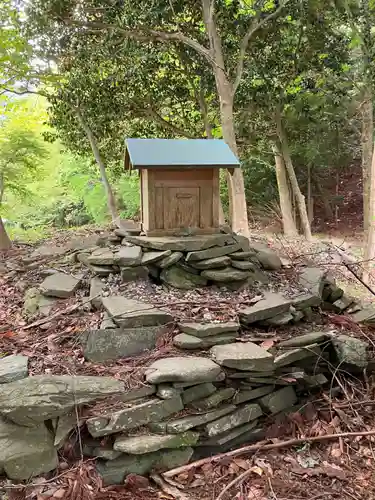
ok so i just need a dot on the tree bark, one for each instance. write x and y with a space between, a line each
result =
111 202
289 225
367 146
236 184
5 242
369 253
300 199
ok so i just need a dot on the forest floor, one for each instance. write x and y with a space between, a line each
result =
339 468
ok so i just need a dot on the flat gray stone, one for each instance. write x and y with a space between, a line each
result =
65 425
135 416
303 340
96 289
182 369
342 304
313 279
133 273
203 330
306 300
243 265
186 267
170 260
179 278
279 320
191 421
279 400
227 437
248 395
197 392
141 392
243 356
214 399
350 352
241 416
229 274
291 356
214 263
211 253
269 260
189 342
26 452
59 285
42 397
105 345
271 305
242 255
129 313
101 257
152 257
365 315
129 256
139 445
115 471
13 367
181 244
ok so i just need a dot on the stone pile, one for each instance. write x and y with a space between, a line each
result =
189 406
184 262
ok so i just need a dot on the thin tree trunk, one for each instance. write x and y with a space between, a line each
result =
369 253
5 242
111 202
208 129
293 178
367 145
289 225
310 199
236 184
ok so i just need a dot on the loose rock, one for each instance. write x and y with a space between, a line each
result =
179 278
96 288
139 445
42 397
228 274
271 305
59 285
170 260
12 368
239 417
101 257
130 418
212 252
185 341
152 257
129 313
243 356
350 352
128 256
203 330
214 263
278 401
105 345
193 369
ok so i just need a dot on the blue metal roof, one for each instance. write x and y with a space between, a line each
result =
149 153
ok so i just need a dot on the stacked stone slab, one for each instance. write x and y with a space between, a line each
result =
189 405
227 392
184 262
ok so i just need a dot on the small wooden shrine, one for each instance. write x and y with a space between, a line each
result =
179 183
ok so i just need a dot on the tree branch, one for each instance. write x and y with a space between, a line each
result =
152 113
253 28
145 35
22 92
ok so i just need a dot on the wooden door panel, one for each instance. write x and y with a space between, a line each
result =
181 207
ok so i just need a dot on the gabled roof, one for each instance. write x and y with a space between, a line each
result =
178 153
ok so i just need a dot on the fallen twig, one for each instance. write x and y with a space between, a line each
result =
263 447
235 482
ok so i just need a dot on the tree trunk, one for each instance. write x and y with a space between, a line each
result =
367 145
293 178
289 225
369 253
236 185
310 199
5 242
111 202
